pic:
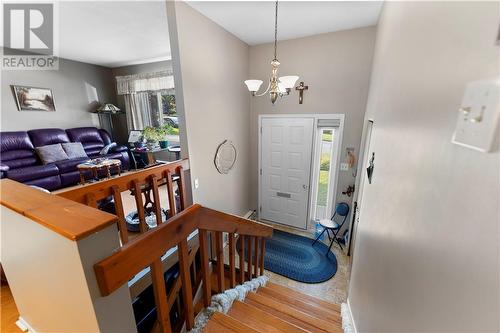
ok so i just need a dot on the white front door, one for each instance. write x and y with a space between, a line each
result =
286 148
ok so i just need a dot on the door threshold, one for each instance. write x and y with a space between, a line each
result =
286 227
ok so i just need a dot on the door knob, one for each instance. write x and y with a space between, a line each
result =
304 187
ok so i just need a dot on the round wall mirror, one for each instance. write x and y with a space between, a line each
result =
225 157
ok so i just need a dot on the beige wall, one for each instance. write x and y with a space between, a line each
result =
336 67
211 66
69 85
427 252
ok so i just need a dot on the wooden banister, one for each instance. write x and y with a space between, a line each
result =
102 189
214 220
147 249
131 258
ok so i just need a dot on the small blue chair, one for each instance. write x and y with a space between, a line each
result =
342 209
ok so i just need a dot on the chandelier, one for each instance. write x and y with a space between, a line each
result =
277 86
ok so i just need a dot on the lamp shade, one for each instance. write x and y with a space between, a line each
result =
289 81
253 85
281 88
107 108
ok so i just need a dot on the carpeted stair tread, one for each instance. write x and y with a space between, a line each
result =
232 324
311 309
304 297
254 317
268 303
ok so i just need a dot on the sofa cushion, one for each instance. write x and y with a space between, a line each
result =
15 141
16 149
74 149
49 183
21 162
47 136
70 165
51 153
32 172
85 134
89 137
105 136
17 154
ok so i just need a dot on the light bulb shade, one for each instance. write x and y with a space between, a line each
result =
107 108
288 81
253 85
281 88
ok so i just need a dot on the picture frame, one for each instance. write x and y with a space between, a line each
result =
34 98
134 136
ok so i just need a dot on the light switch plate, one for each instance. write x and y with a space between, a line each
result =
196 183
478 115
344 166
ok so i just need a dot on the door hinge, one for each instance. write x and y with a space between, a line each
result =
260 209
261 130
261 172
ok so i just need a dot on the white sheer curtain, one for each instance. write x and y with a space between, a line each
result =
137 89
138 110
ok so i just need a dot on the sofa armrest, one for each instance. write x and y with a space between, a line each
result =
4 168
119 149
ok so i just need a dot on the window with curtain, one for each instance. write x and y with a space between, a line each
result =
149 99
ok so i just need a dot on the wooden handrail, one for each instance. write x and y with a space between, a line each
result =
130 259
67 218
147 249
102 189
146 180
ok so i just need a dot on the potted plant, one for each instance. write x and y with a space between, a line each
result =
166 129
152 135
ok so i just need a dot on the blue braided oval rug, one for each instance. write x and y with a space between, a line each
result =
294 257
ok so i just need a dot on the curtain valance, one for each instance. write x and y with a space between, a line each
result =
156 81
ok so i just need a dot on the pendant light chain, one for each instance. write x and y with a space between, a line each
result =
278 86
275 28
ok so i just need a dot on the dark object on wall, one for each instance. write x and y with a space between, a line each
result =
301 89
353 219
20 162
225 157
369 170
349 190
34 99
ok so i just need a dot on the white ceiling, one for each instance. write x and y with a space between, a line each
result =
113 33
253 21
121 33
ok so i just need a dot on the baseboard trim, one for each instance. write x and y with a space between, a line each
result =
24 325
248 214
348 323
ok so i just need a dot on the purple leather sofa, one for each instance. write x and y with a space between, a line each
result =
18 160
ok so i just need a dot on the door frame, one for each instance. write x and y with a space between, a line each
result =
314 164
360 183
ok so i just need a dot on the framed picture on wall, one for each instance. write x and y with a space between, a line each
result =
34 99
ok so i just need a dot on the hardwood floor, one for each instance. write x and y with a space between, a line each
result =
8 312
